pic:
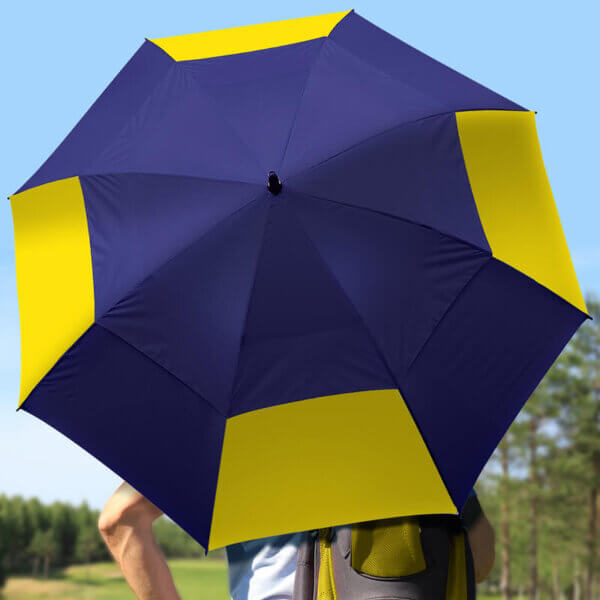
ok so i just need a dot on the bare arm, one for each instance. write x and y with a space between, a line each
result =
481 539
125 523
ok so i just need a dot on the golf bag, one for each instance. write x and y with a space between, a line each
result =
410 558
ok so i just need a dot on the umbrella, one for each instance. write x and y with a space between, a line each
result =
291 275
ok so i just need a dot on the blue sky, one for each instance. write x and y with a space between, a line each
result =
58 56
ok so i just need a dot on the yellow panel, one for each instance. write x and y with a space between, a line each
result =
54 275
514 199
323 462
249 38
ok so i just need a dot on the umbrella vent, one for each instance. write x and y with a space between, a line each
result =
274 183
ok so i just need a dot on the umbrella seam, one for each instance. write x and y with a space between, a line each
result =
159 47
194 77
379 351
383 132
158 174
396 81
468 283
399 218
247 312
148 173
22 405
344 18
135 113
448 309
379 70
162 367
176 66
300 99
156 83
586 315
126 477
254 199
169 260
179 252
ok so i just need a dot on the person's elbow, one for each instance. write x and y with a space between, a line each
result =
126 513
482 541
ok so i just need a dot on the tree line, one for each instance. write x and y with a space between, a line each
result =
35 538
542 487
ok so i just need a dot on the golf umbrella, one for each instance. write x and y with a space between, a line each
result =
291 275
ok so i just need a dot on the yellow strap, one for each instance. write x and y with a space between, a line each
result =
456 585
326 584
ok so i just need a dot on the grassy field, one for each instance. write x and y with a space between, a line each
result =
195 580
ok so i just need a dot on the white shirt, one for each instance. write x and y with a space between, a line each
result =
264 569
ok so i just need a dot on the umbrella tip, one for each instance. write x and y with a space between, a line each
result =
274 183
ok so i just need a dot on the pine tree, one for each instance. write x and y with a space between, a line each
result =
44 547
580 418
505 573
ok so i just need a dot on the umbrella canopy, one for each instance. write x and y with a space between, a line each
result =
291 275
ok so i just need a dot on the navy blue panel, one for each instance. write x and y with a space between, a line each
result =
404 63
400 277
480 366
102 122
138 420
259 93
415 171
188 315
345 101
137 222
303 338
180 129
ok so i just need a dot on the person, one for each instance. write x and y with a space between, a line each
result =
258 569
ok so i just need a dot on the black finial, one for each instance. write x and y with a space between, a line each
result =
274 183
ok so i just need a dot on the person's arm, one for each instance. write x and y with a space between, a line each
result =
481 538
125 524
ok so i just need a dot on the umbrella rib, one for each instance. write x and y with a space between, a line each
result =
148 173
186 72
175 175
160 80
137 284
448 309
247 312
378 134
299 106
223 119
382 72
398 217
376 346
181 251
173 257
162 367
444 233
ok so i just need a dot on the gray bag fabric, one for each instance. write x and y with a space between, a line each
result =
431 583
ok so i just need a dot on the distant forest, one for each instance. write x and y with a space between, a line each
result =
35 538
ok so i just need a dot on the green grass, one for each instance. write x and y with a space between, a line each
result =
195 580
